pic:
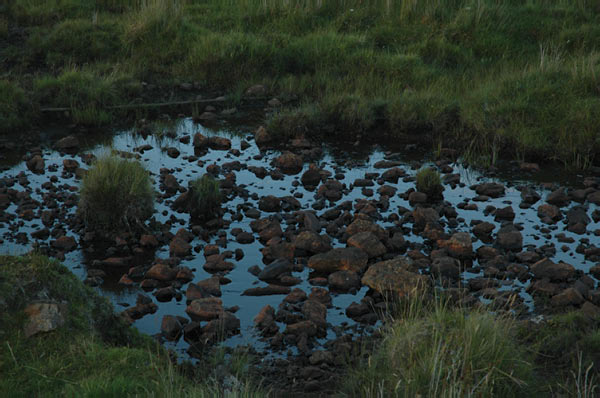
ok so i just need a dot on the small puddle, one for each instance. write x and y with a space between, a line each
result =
351 161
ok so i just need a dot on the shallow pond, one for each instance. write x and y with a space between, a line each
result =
346 162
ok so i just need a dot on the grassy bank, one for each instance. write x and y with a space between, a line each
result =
510 77
93 354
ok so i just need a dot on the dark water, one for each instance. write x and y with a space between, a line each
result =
353 161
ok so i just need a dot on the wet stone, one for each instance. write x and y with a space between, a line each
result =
266 291
352 259
344 280
367 242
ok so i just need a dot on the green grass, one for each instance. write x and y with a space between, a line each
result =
429 182
205 198
13 107
517 79
94 354
445 352
436 348
116 193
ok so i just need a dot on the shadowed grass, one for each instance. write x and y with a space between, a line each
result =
204 198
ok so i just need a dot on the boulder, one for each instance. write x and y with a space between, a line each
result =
205 309
491 189
312 242
395 276
458 246
367 242
275 269
43 317
555 272
161 272
289 163
351 258
67 144
344 280
509 238
179 247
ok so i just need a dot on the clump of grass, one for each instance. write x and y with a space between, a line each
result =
429 182
204 198
83 91
445 352
116 193
13 107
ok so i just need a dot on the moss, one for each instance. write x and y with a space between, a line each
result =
115 194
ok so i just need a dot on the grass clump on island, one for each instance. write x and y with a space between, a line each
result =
429 182
496 77
205 198
93 354
115 194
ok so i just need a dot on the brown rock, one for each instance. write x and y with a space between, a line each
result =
36 164
67 144
367 242
289 163
171 327
569 296
491 189
261 136
352 259
43 317
205 309
315 312
459 245
361 225
312 176
64 243
266 291
550 212
179 248
307 328
161 272
312 242
394 276
344 280
555 272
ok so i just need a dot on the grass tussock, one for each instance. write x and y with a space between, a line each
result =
497 77
204 198
116 193
445 352
429 182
